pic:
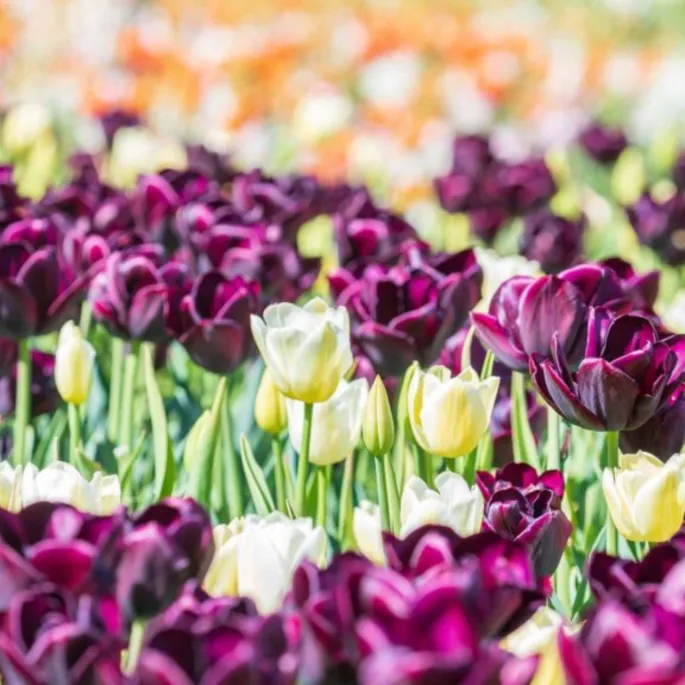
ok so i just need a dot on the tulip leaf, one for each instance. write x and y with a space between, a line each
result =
523 442
165 468
54 431
125 467
200 486
256 482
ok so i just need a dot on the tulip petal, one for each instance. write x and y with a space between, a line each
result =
19 317
495 338
218 347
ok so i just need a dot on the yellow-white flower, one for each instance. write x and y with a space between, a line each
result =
336 424
73 364
58 482
307 349
23 126
448 416
535 634
497 269
453 503
269 406
256 557
645 497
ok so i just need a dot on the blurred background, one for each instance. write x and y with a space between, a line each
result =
371 90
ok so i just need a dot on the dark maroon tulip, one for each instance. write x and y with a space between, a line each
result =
44 396
35 232
212 322
114 120
664 434
627 375
522 186
155 201
401 314
526 508
661 226
365 233
678 171
132 297
487 222
38 292
641 289
525 313
84 250
46 640
553 241
213 165
12 205
603 143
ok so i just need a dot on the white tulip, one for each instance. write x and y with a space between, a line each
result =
73 364
336 424
10 487
307 349
61 482
535 634
366 526
256 557
23 126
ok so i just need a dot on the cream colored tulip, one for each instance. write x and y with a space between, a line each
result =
23 126
453 504
449 416
269 406
74 362
497 269
307 349
256 557
10 487
645 497
336 424
535 635
61 482
378 426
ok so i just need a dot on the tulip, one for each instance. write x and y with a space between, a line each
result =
378 426
521 186
535 634
641 289
337 423
23 126
625 378
256 557
448 416
525 313
645 497
10 487
115 119
11 202
61 482
603 143
73 365
555 242
44 396
306 349
498 269
368 531
270 410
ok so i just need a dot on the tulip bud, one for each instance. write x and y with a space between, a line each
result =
269 407
73 364
378 427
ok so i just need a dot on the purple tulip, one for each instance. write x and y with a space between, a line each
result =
487 222
522 186
114 120
553 241
641 289
213 165
660 226
603 143
12 205
34 232
678 171
44 396
38 292
404 313
132 297
626 376
212 322
525 313
526 508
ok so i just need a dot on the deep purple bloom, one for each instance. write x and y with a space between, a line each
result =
12 205
525 313
626 376
114 120
521 186
487 222
526 508
132 296
212 322
678 171
404 313
211 164
661 226
641 289
34 232
603 143
44 396
553 241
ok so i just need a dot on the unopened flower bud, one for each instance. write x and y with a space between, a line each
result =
73 364
269 407
378 427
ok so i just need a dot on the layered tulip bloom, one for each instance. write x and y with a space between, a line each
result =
526 313
256 557
307 349
337 423
73 364
645 497
552 241
448 416
626 376
603 143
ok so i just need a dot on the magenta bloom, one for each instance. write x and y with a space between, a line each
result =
603 143
626 376
641 289
526 508
525 313
212 322
555 242
132 296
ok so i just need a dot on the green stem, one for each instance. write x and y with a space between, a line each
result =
22 406
135 644
303 462
86 319
279 473
345 508
322 480
393 494
74 433
382 494
115 389
232 468
470 467
553 439
612 462
128 392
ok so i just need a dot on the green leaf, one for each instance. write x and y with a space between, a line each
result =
256 482
200 486
54 431
523 442
125 465
165 468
